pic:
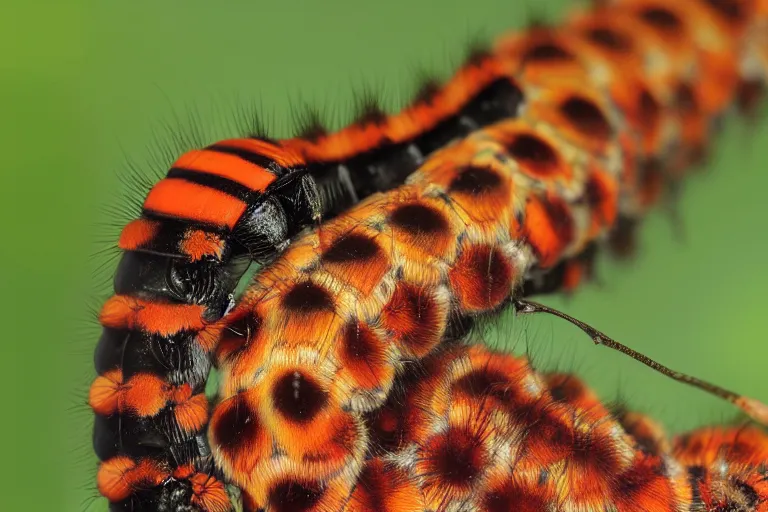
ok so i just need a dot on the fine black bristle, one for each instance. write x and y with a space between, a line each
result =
368 107
428 88
622 240
252 122
308 123
478 50
536 16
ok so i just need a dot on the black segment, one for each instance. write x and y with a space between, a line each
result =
344 183
176 358
263 229
224 185
151 276
173 496
501 99
292 202
249 156
137 437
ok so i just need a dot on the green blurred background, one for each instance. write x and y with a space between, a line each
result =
87 86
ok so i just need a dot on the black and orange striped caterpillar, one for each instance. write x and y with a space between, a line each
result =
583 125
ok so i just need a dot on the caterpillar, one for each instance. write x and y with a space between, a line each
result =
241 200
572 169
473 429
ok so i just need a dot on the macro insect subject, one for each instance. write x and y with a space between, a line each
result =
346 379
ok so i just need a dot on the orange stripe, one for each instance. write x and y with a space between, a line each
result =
121 476
124 312
179 198
227 166
137 233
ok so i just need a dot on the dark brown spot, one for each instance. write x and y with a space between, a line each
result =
360 344
560 219
486 383
749 95
596 452
546 52
649 109
386 427
586 117
373 478
418 219
610 39
534 151
595 193
457 458
662 19
238 334
685 99
639 479
747 495
306 297
237 426
732 10
298 398
294 496
475 181
549 438
517 497
353 247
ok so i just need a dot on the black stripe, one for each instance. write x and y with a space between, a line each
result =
249 156
171 223
224 185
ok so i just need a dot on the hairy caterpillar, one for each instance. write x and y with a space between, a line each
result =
544 249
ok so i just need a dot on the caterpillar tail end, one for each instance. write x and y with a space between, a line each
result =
756 410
